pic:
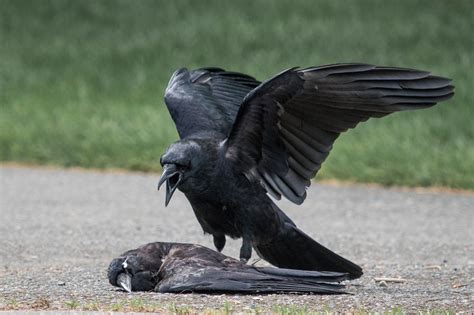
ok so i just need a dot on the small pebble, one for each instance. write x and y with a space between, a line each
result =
61 283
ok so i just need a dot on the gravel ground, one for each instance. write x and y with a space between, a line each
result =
60 228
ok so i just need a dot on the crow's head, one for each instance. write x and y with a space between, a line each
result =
138 269
132 274
180 162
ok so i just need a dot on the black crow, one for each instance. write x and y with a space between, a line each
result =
242 140
181 268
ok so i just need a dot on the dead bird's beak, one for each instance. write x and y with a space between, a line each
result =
125 281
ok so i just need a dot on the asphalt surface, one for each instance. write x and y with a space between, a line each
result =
59 229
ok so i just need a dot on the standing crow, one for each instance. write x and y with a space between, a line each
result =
180 268
242 140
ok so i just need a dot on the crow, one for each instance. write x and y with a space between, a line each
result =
242 141
182 268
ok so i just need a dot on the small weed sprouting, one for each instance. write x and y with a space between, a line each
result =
117 306
12 304
180 309
396 311
228 308
137 305
291 310
92 306
72 304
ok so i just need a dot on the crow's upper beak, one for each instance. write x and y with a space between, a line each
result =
125 281
173 177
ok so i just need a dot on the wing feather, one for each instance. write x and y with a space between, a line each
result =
286 126
206 99
253 280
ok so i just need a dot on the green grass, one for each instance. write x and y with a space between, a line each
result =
81 82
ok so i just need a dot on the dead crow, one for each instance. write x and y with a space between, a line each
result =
185 268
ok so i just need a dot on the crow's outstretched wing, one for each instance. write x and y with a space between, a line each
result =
206 99
286 127
250 280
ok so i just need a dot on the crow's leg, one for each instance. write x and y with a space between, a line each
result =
219 242
246 249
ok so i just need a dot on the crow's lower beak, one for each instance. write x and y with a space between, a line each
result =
173 177
125 281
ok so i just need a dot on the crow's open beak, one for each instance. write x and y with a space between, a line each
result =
172 176
125 281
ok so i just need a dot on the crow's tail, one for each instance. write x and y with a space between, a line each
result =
293 249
